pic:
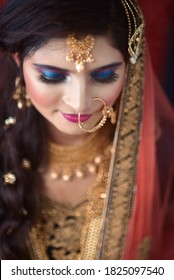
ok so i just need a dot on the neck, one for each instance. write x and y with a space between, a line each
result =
61 138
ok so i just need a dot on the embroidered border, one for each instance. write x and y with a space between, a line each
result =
123 176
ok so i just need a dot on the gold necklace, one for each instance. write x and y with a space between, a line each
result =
69 162
87 217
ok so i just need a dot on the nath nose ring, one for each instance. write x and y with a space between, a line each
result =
107 112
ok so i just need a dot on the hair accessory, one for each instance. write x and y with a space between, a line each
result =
24 211
10 121
136 29
108 112
80 50
26 164
21 96
9 178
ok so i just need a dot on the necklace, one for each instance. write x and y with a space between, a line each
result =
69 162
61 232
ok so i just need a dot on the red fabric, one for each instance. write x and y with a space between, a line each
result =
159 18
153 212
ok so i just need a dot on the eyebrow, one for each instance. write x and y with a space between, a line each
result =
51 67
109 66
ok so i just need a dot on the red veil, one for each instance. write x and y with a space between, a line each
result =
152 224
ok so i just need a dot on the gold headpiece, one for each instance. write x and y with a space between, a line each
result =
136 29
80 50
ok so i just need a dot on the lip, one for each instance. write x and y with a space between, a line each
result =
74 117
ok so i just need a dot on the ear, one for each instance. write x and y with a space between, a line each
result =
16 58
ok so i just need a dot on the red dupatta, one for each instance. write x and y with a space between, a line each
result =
152 217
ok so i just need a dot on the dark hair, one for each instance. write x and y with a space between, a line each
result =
25 26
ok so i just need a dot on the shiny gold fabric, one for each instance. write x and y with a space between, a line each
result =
57 234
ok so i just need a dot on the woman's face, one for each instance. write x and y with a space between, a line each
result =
59 92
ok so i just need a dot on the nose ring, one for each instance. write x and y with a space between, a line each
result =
107 112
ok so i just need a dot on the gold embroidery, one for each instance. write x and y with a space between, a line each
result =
57 234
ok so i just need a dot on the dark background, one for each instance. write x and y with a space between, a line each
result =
159 16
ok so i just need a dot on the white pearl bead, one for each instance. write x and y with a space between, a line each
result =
91 168
133 60
79 67
54 175
79 173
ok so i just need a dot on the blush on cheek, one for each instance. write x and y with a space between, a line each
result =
39 97
111 99
115 93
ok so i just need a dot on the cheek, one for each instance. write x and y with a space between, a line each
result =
112 97
113 93
39 95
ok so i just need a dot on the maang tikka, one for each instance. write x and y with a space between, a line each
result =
80 50
107 112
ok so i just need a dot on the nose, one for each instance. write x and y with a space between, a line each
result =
78 98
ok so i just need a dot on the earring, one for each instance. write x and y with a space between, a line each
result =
21 96
108 112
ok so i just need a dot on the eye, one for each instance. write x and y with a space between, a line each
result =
52 77
104 77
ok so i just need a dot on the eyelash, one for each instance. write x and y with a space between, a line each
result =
112 77
55 81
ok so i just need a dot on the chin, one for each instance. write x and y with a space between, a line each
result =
73 130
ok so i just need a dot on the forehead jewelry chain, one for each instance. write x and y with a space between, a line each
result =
108 112
80 50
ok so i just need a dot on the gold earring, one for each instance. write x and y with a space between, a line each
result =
21 96
108 112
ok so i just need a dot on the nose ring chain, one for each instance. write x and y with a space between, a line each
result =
107 112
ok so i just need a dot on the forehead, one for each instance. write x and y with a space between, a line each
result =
55 51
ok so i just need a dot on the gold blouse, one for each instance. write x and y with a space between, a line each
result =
61 228
61 231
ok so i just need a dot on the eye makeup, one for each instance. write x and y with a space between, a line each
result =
104 77
106 74
54 75
49 75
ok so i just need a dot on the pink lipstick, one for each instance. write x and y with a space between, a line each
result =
74 117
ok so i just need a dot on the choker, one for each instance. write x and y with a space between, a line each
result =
69 162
